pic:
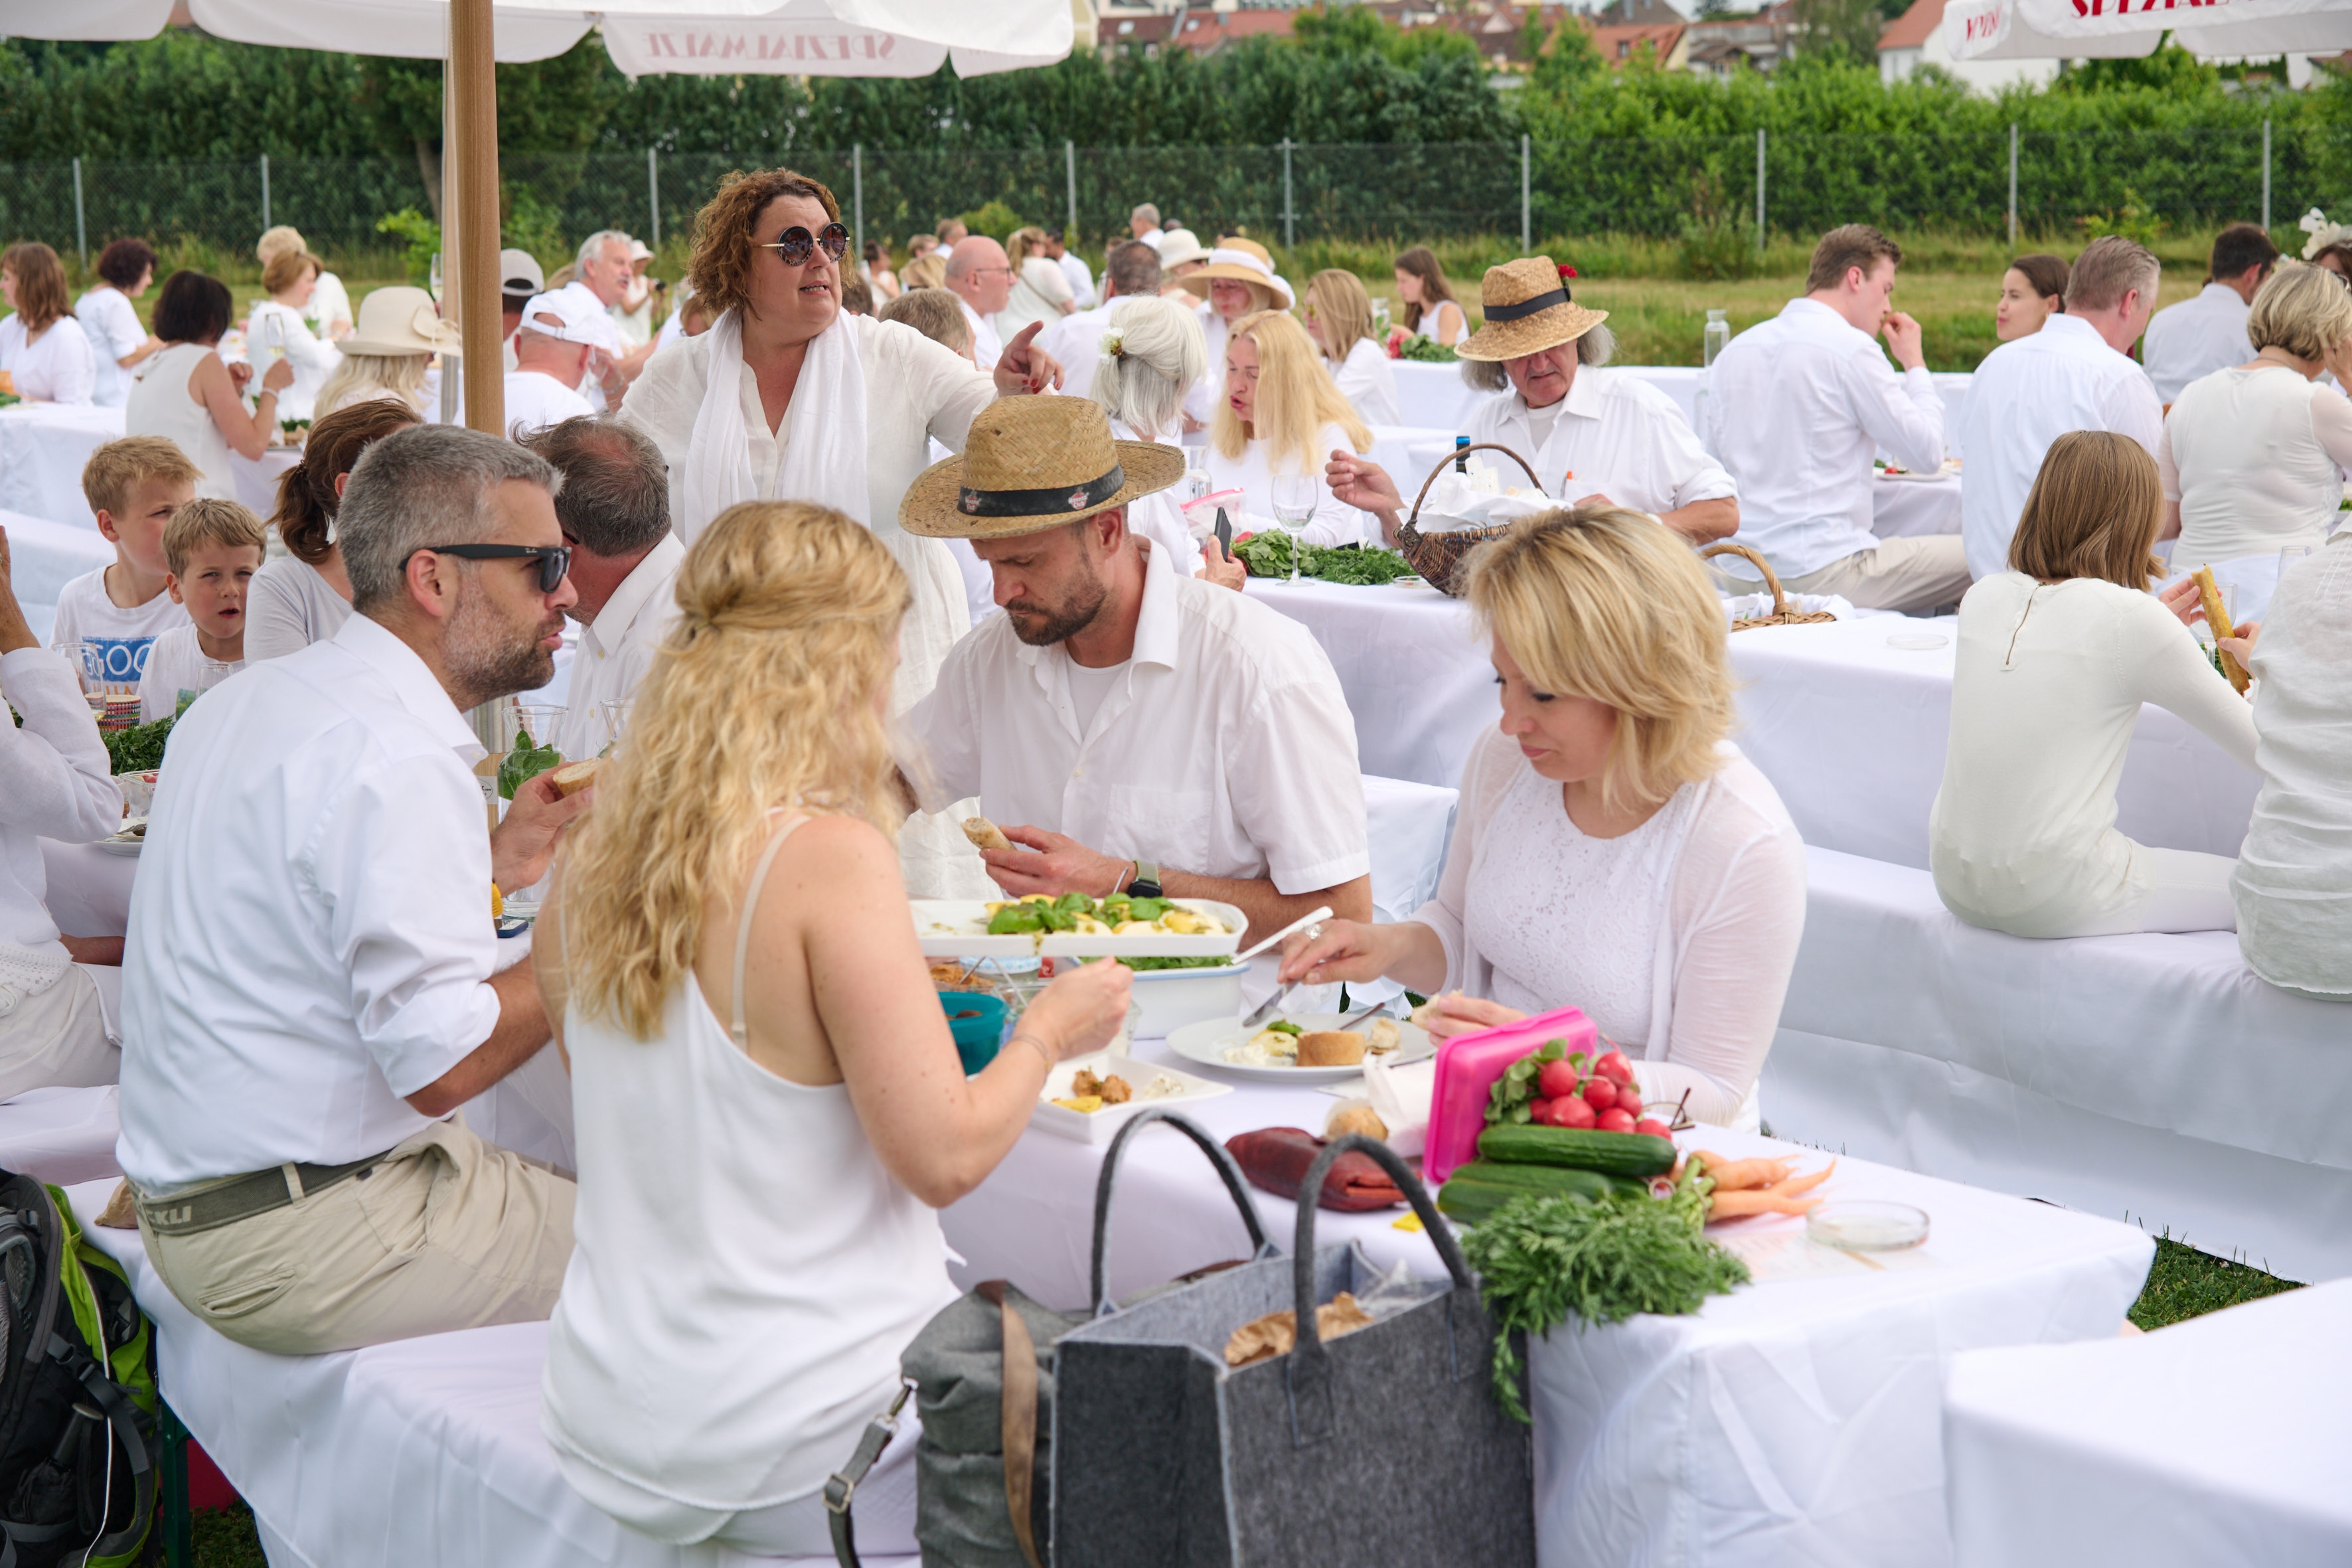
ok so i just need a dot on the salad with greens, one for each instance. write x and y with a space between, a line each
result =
1268 555
1117 915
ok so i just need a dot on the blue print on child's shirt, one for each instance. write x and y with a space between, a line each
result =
126 657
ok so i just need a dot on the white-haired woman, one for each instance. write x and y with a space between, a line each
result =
1613 852
1152 356
769 1108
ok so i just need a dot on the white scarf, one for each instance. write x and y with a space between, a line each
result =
824 434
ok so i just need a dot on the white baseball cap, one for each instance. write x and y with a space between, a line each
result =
519 273
569 317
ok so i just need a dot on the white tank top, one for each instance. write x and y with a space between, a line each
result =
159 405
744 1272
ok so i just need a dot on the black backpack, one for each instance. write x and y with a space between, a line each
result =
77 1443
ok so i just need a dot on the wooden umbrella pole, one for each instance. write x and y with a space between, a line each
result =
472 83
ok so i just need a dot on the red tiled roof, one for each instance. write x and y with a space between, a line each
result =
1910 30
1619 44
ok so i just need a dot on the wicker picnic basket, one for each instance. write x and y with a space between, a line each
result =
1438 557
1783 612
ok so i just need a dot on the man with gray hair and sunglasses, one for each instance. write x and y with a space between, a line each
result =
312 982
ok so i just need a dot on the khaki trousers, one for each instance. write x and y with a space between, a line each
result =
1913 574
447 1233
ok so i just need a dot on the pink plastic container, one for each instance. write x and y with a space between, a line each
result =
1467 1066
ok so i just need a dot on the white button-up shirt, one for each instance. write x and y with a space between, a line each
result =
1798 404
1612 434
617 648
986 346
310 936
1224 748
2196 338
2027 394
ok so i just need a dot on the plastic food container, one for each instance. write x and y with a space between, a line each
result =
1467 1066
1865 1224
978 1036
1171 998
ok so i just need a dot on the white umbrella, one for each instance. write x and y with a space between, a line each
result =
2130 30
729 38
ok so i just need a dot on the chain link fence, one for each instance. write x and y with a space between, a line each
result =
1965 182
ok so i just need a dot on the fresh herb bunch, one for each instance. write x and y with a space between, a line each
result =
1429 351
1268 554
1509 1102
525 763
137 749
1542 1259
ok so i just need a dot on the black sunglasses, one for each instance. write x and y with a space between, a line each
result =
796 243
554 560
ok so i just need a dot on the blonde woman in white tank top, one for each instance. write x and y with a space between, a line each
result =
769 1105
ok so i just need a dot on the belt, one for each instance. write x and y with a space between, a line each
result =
233 1198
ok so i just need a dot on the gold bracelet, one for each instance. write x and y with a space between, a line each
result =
1040 1044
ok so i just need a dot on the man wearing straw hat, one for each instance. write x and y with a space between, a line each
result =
1592 437
1133 730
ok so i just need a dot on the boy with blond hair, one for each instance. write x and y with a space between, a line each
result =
211 551
135 486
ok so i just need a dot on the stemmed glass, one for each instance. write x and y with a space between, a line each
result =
433 278
1293 504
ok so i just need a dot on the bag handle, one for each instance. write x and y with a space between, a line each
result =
1307 1366
1218 1155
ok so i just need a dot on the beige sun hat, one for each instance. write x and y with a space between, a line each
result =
400 320
1035 463
1528 310
1242 261
1179 246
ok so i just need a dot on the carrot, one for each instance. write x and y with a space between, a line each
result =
1752 1201
1731 1175
1791 1187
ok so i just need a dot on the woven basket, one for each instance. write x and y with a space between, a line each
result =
1438 557
1783 612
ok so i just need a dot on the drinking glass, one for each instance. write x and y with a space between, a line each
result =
88 661
539 720
433 278
616 722
1293 504
1196 484
273 336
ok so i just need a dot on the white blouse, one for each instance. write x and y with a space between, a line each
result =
1040 290
112 324
1365 379
2048 683
2252 457
56 367
1334 522
1676 939
313 359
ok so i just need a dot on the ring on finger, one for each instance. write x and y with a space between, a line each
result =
1314 932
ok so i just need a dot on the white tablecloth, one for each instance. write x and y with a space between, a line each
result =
1908 509
2217 1442
1795 1421
43 557
1852 732
2148 1077
61 1136
43 448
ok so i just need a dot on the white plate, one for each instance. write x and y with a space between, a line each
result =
1099 1126
116 844
1206 1044
957 928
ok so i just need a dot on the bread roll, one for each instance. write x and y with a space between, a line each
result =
1356 1116
573 777
984 833
1330 1049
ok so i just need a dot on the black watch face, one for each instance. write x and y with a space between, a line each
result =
1143 890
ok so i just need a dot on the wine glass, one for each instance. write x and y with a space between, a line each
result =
1293 504
616 722
88 661
433 278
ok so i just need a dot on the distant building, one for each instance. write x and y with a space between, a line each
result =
1917 38
1720 47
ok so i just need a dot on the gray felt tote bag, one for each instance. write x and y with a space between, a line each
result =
1385 1446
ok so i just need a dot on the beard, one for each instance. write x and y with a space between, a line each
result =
490 658
1040 625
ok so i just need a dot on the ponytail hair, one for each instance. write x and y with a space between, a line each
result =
307 502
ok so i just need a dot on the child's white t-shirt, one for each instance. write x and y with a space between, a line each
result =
175 663
85 614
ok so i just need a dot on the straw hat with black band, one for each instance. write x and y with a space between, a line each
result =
1031 464
1242 260
1528 310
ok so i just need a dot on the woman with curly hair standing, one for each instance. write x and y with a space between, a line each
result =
788 397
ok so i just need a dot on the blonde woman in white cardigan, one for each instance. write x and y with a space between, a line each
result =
2056 656
1614 852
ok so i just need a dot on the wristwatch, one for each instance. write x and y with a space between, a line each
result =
1147 881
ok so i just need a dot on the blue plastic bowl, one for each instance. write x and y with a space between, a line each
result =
978 1036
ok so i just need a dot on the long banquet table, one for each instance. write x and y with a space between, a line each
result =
43 446
1797 1419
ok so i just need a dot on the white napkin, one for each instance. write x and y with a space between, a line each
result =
1399 1097
1479 499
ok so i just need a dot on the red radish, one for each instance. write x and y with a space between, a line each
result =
1616 1119
1615 1067
1654 1127
1556 1079
1539 1112
1572 1110
1599 1093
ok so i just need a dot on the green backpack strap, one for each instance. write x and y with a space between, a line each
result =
120 1381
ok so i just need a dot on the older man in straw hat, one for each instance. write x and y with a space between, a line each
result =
1799 403
1594 437
1134 730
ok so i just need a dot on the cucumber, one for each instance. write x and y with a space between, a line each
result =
1468 1201
1612 1153
1559 1179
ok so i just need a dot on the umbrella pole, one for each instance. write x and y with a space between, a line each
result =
472 83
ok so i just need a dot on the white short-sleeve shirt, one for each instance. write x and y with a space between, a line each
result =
112 327
2192 340
1225 748
176 663
310 937
58 367
1612 434
536 400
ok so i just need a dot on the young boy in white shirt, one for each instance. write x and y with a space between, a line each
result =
211 551
135 486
